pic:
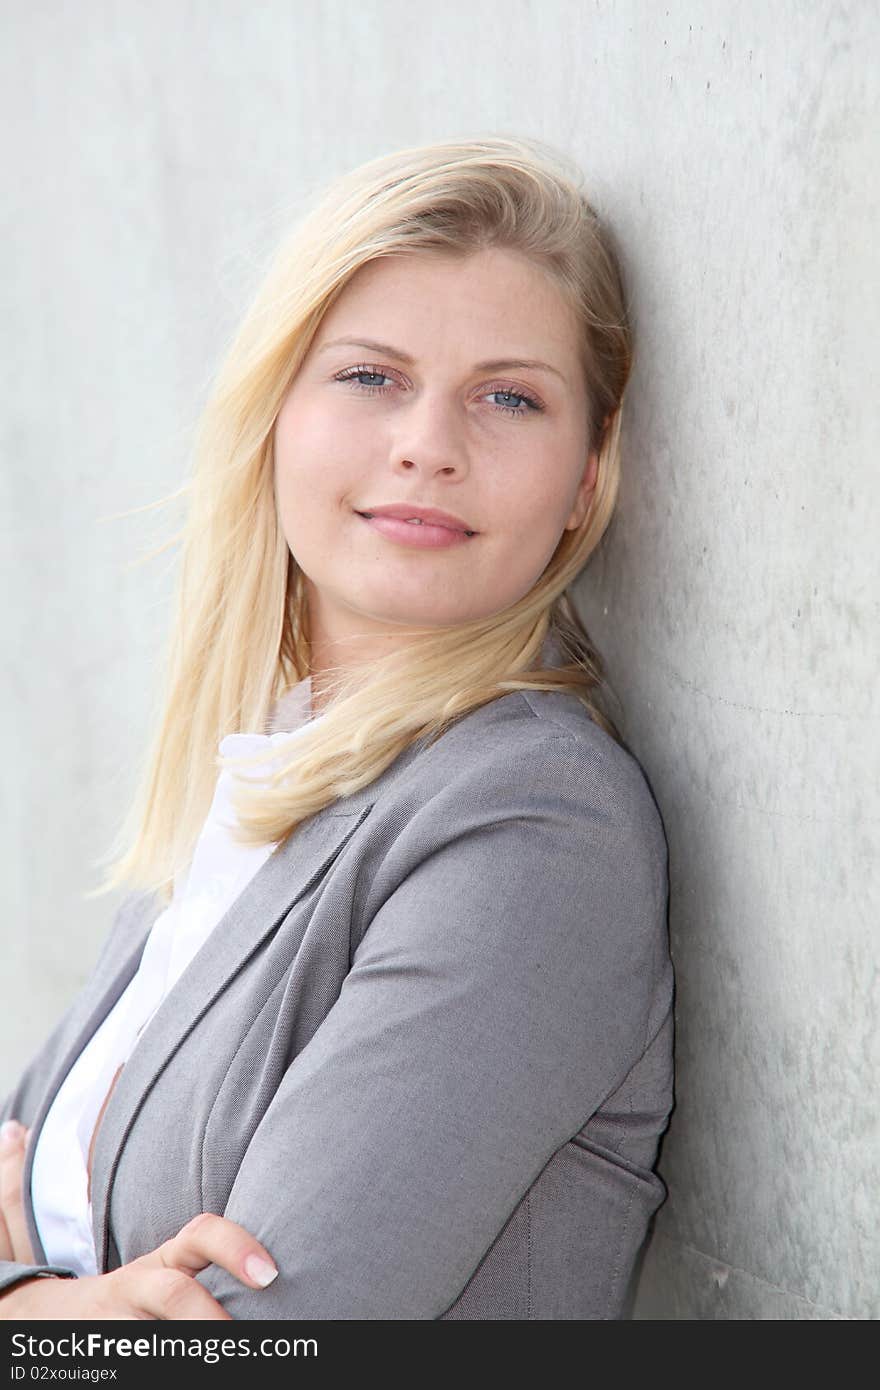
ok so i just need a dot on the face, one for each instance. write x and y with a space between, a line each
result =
474 405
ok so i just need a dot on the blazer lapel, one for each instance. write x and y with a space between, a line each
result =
288 873
284 878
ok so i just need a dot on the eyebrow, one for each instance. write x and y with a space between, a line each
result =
495 364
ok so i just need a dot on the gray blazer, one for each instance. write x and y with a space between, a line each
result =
426 1056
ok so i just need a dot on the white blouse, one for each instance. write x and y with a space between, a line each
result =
220 870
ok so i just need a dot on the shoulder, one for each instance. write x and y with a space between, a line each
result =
541 747
536 761
524 829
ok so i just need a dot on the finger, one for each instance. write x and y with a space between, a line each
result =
166 1294
12 1148
210 1239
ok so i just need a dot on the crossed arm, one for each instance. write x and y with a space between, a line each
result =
498 994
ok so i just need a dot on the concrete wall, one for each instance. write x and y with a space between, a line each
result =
153 155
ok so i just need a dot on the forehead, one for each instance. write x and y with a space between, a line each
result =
498 296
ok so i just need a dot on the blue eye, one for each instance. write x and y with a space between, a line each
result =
353 375
530 401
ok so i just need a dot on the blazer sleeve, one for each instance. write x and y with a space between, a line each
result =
12 1273
499 993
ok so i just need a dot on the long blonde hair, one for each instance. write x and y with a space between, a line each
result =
240 633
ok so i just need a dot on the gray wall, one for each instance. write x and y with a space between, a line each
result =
153 156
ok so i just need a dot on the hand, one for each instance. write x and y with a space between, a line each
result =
155 1286
15 1243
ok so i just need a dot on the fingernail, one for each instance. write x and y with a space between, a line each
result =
260 1270
10 1131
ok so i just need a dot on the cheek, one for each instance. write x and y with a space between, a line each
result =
532 517
300 441
535 509
315 488
308 464
317 451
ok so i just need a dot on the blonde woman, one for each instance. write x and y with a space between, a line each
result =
382 1028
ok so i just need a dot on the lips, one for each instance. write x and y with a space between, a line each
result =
415 533
419 516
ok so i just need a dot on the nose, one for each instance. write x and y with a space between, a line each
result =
430 439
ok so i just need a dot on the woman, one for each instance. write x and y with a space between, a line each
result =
390 1006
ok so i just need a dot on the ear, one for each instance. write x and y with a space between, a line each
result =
586 488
